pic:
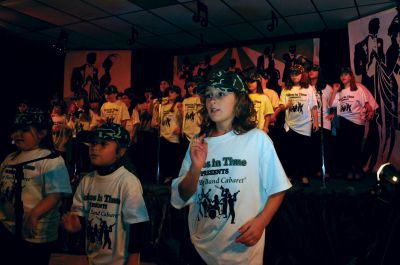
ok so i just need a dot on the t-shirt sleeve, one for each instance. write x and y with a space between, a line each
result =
273 175
336 100
135 117
268 106
124 113
313 98
133 206
77 201
176 199
282 99
363 96
275 100
56 178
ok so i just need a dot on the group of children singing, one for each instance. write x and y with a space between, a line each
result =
231 177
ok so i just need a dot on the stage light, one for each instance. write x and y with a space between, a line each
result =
387 180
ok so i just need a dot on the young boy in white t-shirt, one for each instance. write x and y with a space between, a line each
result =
114 110
108 202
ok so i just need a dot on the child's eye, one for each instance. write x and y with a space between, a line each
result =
208 96
220 94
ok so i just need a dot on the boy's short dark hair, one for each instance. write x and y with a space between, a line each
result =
106 132
111 90
176 89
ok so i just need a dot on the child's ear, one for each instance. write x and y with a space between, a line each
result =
42 133
121 152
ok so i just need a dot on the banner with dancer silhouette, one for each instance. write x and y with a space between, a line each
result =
90 72
374 55
275 59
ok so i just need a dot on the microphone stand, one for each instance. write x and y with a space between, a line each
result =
160 101
322 141
18 204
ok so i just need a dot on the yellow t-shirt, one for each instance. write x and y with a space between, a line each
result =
263 107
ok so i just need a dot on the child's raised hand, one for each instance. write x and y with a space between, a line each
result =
336 87
250 232
198 152
71 222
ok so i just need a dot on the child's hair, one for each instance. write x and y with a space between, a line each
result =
189 84
60 103
256 78
321 83
297 69
86 106
38 119
178 99
245 114
347 70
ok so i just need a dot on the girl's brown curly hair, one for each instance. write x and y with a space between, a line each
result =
244 120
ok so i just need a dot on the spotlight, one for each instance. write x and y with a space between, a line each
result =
387 180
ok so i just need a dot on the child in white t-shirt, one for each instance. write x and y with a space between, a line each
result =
29 208
231 178
108 202
322 92
190 113
114 110
300 105
353 110
170 131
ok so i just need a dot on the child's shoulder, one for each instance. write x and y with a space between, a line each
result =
255 132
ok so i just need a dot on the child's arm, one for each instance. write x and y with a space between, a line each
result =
335 89
266 123
31 219
251 232
198 155
314 113
71 222
136 242
287 105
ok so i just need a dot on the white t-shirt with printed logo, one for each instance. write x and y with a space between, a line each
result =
170 120
350 105
109 204
263 107
298 117
41 178
191 117
234 178
116 111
